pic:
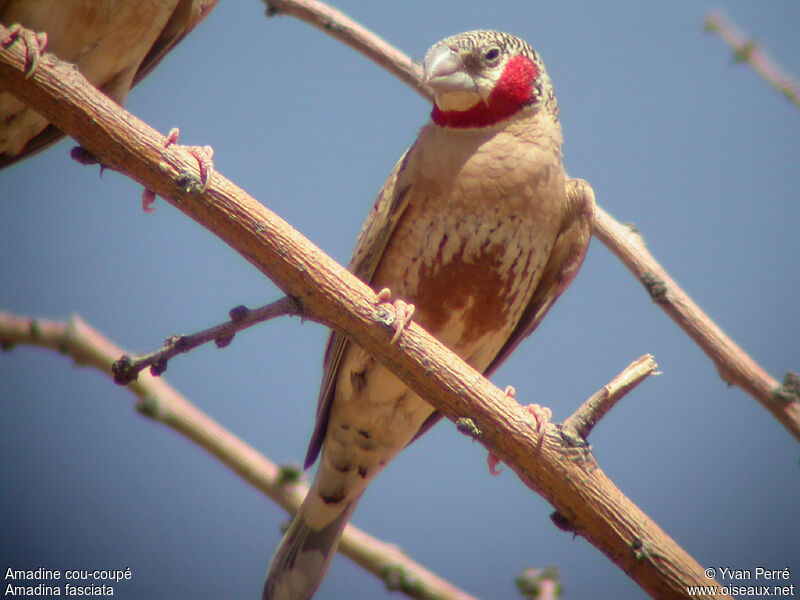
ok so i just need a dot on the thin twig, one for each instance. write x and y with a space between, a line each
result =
581 422
337 24
734 365
127 368
748 51
162 403
587 501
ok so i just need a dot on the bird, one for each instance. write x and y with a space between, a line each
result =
114 43
479 229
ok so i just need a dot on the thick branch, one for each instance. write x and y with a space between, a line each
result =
733 363
161 402
586 500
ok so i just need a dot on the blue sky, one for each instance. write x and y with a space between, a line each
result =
700 154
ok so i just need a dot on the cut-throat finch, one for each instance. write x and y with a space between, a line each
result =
479 227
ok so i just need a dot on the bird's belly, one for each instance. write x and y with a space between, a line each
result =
469 276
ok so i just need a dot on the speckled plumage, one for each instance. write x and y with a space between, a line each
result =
480 229
114 43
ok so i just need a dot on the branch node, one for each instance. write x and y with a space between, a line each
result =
122 368
288 474
179 343
83 157
35 328
468 427
238 313
187 182
562 523
638 549
656 287
397 579
744 52
747 50
789 390
580 424
572 438
272 10
223 341
158 367
148 407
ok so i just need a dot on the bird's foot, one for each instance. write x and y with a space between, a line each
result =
203 155
541 415
402 312
493 461
148 198
35 44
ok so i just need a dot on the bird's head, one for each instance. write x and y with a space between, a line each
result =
480 78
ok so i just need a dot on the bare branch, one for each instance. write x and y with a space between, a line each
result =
582 421
735 366
747 50
355 35
127 368
162 403
586 500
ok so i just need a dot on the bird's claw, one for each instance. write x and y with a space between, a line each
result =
493 461
148 198
541 415
35 44
402 312
204 156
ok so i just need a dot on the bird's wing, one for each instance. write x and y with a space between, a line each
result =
565 259
375 234
41 141
186 16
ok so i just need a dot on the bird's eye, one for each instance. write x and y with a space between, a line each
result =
492 54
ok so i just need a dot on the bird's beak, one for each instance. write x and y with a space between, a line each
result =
444 73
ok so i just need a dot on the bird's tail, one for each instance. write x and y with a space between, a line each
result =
304 555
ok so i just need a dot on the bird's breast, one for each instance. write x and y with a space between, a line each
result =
478 229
